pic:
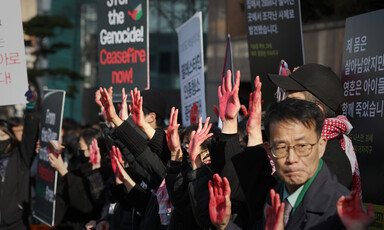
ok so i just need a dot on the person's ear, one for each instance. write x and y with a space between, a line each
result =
151 117
321 106
267 148
321 146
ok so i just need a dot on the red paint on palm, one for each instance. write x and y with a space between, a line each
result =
351 212
198 137
275 213
136 108
229 103
94 153
173 140
116 159
254 121
219 202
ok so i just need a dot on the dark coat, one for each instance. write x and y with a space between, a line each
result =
318 207
15 186
338 162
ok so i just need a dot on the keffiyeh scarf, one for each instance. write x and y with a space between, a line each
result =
338 128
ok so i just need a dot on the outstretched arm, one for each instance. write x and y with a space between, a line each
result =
117 166
197 138
138 115
109 108
254 122
229 102
173 139
123 114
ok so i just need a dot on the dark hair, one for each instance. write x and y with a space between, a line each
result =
306 112
15 121
328 112
186 132
6 128
91 133
159 120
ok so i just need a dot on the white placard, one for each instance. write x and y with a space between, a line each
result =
13 69
191 63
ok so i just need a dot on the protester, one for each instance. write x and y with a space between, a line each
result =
15 162
310 188
81 191
320 85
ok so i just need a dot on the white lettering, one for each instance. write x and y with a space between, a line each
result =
122 36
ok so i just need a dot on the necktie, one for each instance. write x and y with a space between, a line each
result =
287 212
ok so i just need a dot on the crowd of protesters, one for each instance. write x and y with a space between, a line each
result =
290 167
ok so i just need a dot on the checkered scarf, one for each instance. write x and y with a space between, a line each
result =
338 128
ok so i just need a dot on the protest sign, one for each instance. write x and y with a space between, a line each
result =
13 69
46 181
363 82
123 45
191 62
274 33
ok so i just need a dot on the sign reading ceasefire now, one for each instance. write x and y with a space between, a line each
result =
123 45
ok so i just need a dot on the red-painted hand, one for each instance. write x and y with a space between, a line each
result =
94 153
197 138
244 109
229 97
117 162
254 121
106 100
219 202
351 212
173 139
194 113
136 108
275 213
123 114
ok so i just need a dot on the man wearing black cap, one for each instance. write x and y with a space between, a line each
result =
319 84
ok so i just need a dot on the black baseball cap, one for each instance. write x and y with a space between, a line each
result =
317 79
154 101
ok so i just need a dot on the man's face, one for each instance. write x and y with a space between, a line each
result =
292 169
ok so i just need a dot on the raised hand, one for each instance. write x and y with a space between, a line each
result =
173 139
275 213
136 108
109 108
219 202
197 138
229 97
194 113
98 98
351 212
95 156
57 163
254 121
123 114
229 102
117 162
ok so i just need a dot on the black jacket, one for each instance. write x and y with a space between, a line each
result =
15 186
317 210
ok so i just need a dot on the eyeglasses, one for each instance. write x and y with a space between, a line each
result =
301 150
